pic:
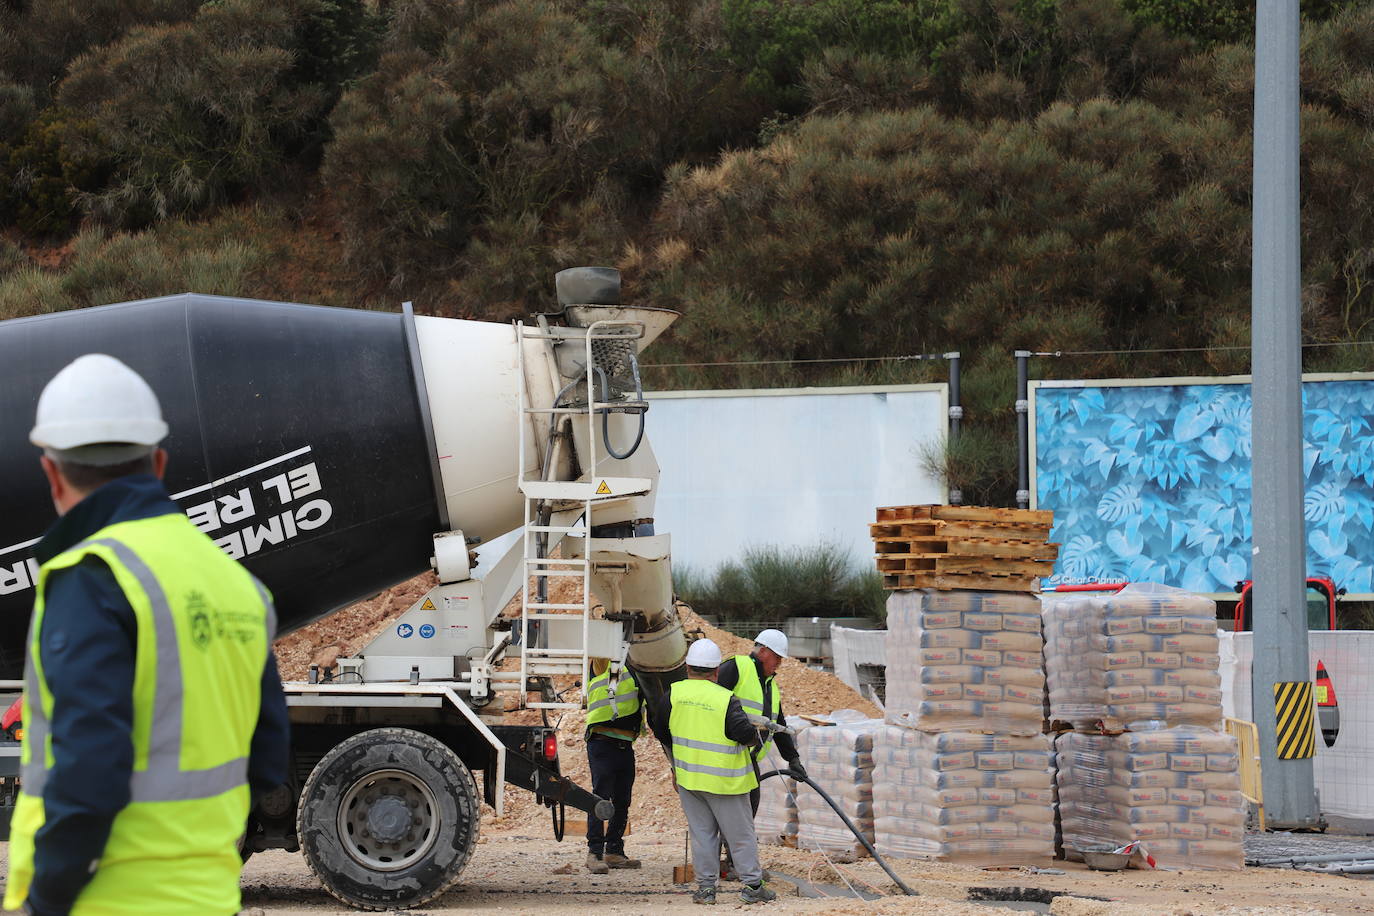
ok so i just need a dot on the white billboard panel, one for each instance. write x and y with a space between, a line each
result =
790 467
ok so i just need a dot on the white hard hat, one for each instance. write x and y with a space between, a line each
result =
98 411
703 653
775 640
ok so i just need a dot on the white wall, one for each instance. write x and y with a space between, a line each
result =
789 466
1342 773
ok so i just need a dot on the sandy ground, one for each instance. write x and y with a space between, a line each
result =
516 873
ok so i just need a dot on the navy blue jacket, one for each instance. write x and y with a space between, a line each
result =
87 648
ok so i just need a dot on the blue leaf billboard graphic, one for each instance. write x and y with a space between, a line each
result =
1152 482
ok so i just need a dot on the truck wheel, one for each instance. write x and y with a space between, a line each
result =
388 819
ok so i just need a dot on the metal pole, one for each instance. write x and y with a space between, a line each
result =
1280 613
1022 429
956 415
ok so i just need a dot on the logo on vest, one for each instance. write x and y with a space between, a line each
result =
209 624
201 630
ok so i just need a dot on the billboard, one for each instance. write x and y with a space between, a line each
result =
1149 479
790 467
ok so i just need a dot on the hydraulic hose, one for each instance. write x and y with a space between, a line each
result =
848 823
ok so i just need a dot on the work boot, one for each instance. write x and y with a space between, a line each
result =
757 893
727 871
618 860
596 865
706 894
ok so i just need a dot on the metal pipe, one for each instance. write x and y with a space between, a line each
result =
956 416
1022 429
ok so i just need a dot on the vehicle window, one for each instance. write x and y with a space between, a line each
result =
1318 616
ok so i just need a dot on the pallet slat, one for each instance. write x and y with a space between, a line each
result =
989 514
945 581
939 529
965 565
969 547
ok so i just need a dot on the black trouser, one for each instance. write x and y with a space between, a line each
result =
612 763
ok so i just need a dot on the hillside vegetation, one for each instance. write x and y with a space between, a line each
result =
807 181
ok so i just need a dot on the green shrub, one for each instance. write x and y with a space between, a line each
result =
189 115
40 38
521 111
771 583
44 176
106 267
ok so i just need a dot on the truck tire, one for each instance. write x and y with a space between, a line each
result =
388 819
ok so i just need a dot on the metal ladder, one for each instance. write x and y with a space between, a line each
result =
537 661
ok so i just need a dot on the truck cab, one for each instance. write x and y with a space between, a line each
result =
1321 604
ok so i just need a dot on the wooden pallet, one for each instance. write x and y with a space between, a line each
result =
941 529
961 581
957 565
984 514
1002 548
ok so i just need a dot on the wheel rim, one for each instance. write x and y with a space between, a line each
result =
388 820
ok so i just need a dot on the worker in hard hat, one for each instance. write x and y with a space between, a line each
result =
752 678
710 742
615 718
151 698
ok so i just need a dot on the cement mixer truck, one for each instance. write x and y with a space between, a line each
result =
338 452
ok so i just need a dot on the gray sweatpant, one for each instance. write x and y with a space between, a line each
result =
711 818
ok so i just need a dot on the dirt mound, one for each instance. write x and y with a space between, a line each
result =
804 691
347 631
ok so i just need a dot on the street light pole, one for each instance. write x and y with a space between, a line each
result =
1281 680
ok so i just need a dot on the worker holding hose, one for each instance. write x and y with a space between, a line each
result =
151 697
711 743
752 678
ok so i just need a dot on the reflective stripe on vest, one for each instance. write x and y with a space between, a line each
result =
604 706
750 690
704 759
163 780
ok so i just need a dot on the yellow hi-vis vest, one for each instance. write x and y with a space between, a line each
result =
704 759
603 705
204 628
750 691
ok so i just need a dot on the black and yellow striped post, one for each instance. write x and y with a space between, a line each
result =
1294 720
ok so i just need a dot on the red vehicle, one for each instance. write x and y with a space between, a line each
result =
10 726
1321 603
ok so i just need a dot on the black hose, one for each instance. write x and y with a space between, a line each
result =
848 823
606 421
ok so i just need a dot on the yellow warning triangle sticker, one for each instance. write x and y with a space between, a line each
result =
603 490
428 605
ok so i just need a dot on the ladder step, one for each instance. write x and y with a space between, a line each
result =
557 410
531 561
558 529
553 653
540 574
549 606
553 705
551 616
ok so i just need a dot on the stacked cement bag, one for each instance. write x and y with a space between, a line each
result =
776 822
1146 657
963 771
963 796
965 661
840 758
1176 791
